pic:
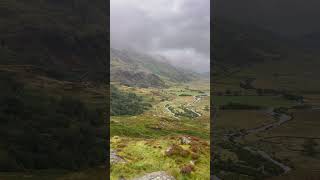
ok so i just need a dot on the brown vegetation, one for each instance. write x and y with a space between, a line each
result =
187 169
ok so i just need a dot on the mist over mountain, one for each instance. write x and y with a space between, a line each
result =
251 31
177 30
133 68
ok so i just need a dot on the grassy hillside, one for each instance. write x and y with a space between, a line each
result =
63 39
280 16
52 103
241 45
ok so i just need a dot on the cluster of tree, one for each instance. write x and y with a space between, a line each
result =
187 113
228 92
293 97
184 94
310 147
247 84
239 106
281 110
39 131
262 92
123 103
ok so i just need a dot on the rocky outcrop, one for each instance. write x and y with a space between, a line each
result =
160 175
185 140
114 158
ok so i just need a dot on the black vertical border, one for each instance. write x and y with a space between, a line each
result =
107 116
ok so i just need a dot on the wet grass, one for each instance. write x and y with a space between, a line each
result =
145 156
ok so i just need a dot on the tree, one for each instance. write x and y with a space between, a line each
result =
309 147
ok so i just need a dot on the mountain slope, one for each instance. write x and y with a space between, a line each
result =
242 45
287 17
48 119
137 69
65 40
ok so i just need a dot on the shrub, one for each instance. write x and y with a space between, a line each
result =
187 169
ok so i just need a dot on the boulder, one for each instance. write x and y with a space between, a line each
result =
160 175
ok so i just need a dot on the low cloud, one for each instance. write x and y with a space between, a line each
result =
176 29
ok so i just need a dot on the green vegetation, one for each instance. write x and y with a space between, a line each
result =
150 155
310 147
262 101
239 106
40 131
65 40
123 103
185 94
52 95
144 140
137 69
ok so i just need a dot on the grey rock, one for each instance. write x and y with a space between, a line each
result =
185 140
160 175
114 158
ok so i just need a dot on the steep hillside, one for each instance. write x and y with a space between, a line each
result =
49 120
137 69
65 40
243 43
287 17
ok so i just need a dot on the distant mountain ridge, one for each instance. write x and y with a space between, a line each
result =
138 69
287 17
240 45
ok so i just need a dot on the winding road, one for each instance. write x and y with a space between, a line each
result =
189 105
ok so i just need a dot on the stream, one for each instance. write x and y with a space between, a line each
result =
281 119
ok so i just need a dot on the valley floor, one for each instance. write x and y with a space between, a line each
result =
263 135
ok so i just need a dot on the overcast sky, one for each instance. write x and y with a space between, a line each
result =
176 29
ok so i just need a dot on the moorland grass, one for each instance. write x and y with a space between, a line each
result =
145 156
